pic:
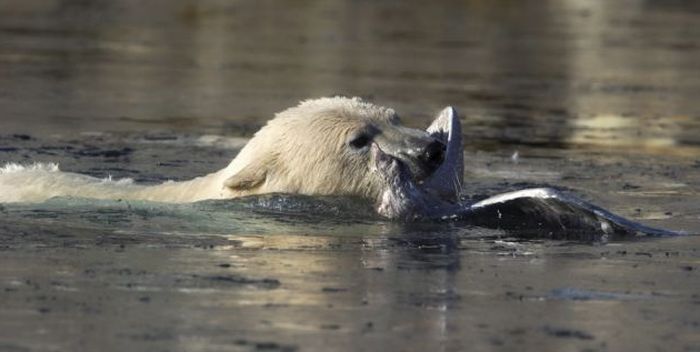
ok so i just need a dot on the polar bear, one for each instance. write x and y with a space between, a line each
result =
320 147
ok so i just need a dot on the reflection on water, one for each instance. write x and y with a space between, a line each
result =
374 287
596 96
300 273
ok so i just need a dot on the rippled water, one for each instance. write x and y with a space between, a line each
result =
592 96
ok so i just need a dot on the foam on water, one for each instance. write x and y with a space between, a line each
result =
9 168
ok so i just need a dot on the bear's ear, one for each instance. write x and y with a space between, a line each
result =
251 176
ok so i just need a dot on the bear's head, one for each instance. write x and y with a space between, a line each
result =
333 146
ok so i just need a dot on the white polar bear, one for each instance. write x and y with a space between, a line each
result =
320 147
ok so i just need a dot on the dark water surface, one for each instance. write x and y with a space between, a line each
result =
598 97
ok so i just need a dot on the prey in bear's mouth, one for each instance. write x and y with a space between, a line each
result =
437 196
407 196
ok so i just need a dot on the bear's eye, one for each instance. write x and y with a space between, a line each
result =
360 141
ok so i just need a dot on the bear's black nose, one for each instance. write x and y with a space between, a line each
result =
433 156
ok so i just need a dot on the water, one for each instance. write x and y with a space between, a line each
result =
593 96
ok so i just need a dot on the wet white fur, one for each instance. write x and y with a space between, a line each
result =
302 150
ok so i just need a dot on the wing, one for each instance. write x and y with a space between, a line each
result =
551 213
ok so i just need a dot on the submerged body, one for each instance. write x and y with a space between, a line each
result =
40 182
